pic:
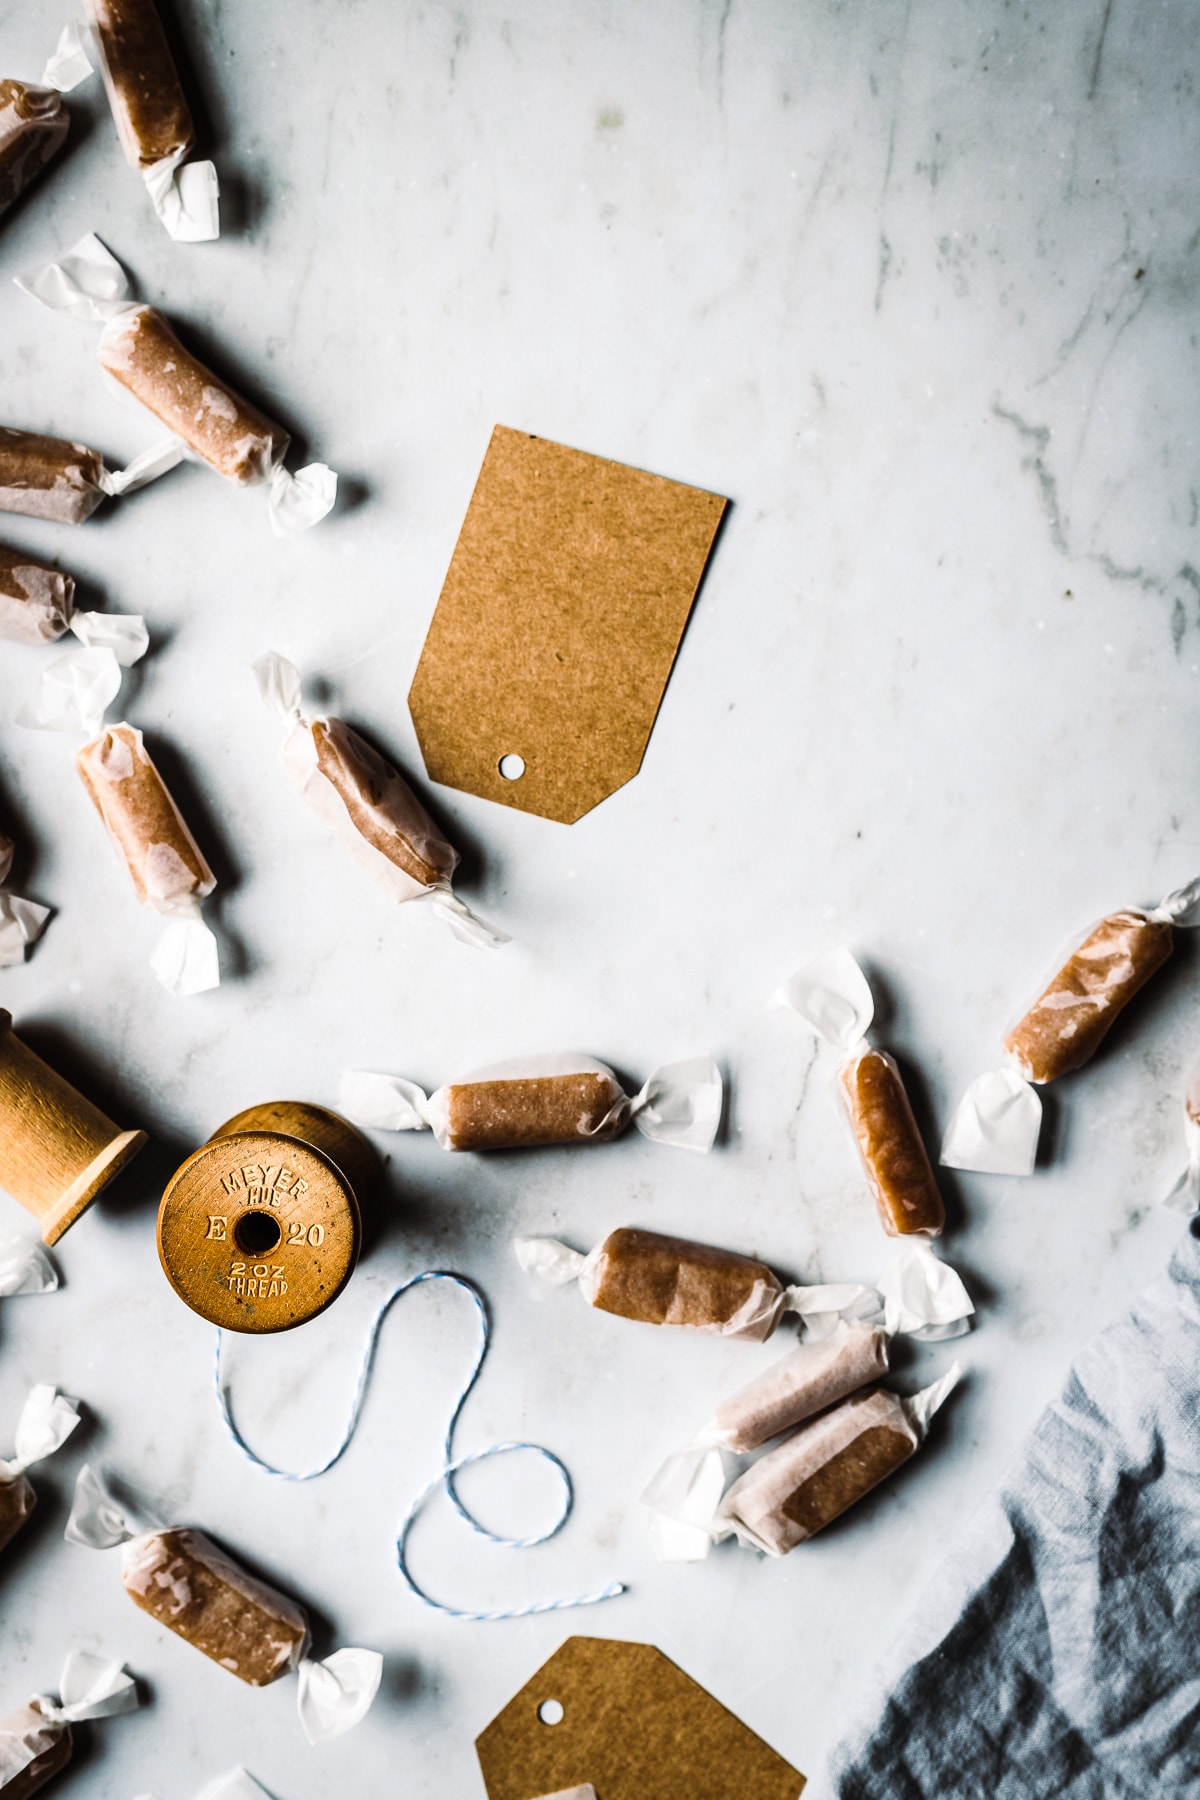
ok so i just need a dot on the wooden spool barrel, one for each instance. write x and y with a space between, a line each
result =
57 1150
259 1230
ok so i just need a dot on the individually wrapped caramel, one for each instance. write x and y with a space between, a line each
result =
833 998
34 120
368 804
37 606
801 1485
996 1124
47 1420
21 921
194 1588
141 356
36 1741
52 478
152 116
539 1100
166 865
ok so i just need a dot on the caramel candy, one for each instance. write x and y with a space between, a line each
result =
149 109
33 129
814 1476
48 478
1068 1021
893 1154
669 1281
181 1579
35 1748
17 1501
382 807
798 1386
139 349
36 601
143 821
504 1114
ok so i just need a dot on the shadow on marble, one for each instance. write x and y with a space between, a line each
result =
198 53
88 116
183 780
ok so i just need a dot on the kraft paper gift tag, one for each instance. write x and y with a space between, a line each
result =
553 640
623 1720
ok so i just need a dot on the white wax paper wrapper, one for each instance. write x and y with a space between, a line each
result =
1184 1197
681 1104
74 693
549 1261
995 1126
921 1407
124 634
336 1694
825 1306
1181 905
47 1420
97 1521
297 502
88 283
185 199
467 927
145 467
683 1499
923 1296
278 684
25 1268
383 1102
186 958
69 64
831 995
21 923
586 1792
91 1687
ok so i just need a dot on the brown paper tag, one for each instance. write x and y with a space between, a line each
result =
631 1724
557 626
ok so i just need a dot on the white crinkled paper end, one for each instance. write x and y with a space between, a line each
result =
74 693
920 1408
21 923
994 1128
96 1521
69 65
186 959
25 1268
832 996
681 1104
1181 906
336 1694
185 199
466 926
146 467
298 502
684 1496
87 284
278 682
824 1307
91 1687
548 1260
47 1420
124 634
382 1102
924 1297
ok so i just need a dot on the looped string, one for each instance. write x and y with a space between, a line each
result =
450 1465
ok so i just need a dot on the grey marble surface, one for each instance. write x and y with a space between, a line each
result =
914 286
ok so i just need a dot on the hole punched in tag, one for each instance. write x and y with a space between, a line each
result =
512 766
550 1712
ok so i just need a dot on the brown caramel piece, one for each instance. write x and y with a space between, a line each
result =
48 478
669 1281
811 1478
139 349
894 1157
382 806
162 856
800 1385
36 1746
33 128
181 1579
35 600
17 1501
540 1109
147 99
1068 1021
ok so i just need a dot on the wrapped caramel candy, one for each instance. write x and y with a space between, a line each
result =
37 606
141 356
1184 1197
995 1126
152 116
368 804
563 1099
25 1268
831 995
51 478
47 1420
165 863
34 120
36 1741
805 1482
185 1582
21 921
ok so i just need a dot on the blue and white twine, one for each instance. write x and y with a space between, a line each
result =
450 1464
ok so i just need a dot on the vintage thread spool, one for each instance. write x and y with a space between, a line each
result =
259 1229
57 1150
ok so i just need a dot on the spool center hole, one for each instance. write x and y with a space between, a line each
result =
256 1233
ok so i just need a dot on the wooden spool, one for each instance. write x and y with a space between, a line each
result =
57 1150
259 1229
